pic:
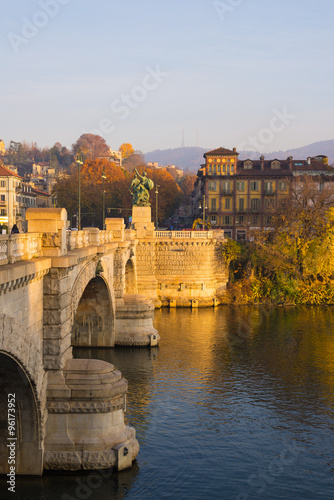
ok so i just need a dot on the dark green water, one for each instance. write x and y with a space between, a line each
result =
235 403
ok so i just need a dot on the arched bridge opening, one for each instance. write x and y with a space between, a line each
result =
93 324
20 443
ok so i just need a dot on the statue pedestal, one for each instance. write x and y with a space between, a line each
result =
141 222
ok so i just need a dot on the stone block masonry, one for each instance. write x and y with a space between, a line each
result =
181 272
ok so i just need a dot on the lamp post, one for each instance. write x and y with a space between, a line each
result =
79 162
156 206
103 198
203 205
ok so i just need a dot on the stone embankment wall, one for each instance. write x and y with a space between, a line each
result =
181 272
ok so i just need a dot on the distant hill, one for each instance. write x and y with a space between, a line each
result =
184 158
192 157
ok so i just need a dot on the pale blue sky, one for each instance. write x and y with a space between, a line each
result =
227 69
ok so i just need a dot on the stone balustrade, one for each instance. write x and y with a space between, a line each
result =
18 247
91 236
189 234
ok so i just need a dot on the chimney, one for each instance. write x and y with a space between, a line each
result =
309 160
234 150
289 159
262 162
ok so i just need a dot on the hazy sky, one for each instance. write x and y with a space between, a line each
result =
229 73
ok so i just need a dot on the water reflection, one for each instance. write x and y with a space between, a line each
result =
236 403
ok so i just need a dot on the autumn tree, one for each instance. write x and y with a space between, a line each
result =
91 146
134 161
116 185
303 218
126 149
186 184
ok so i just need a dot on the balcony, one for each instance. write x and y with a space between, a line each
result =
226 192
269 192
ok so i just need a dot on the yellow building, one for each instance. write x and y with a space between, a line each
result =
242 195
2 147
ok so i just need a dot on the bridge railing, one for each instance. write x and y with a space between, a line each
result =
88 237
16 247
189 234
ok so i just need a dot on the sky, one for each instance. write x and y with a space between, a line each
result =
252 74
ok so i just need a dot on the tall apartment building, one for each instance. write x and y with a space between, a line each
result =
239 196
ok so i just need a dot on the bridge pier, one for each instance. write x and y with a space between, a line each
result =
85 428
134 321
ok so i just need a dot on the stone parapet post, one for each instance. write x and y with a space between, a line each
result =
118 228
52 223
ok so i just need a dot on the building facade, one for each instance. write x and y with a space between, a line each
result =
241 196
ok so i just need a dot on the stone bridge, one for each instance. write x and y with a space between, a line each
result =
60 289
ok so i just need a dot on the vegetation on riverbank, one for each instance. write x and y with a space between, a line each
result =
293 263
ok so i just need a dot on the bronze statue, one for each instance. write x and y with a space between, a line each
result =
141 186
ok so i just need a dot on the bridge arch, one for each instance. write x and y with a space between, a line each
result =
93 316
18 398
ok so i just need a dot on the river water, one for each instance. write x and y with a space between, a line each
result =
236 403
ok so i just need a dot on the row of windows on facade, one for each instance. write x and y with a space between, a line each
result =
255 204
254 220
21 199
221 169
254 186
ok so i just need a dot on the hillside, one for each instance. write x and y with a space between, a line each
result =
192 157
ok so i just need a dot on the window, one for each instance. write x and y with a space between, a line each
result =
241 186
227 187
255 203
282 185
268 220
240 219
3 197
2 211
227 220
228 234
269 203
241 235
254 185
213 204
255 219
213 219
269 187
212 186
275 164
215 170
227 169
248 164
227 203
241 204
3 184
210 169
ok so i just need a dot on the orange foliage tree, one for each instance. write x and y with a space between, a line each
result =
126 149
91 146
116 186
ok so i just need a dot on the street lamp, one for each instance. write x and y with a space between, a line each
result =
156 206
203 205
103 198
79 162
